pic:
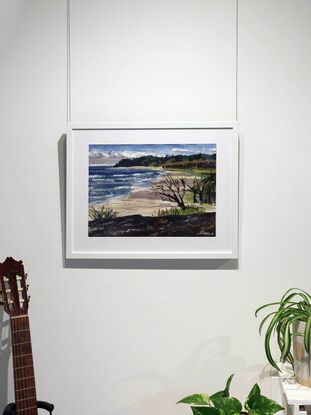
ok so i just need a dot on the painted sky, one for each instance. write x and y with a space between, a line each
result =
110 154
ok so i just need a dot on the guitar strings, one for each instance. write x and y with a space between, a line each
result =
18 326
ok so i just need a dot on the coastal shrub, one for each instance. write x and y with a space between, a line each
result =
204 188
103 213
171 189
189 210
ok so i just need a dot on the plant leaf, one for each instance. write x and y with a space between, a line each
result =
226 392
298 292
219 394
307 335
196 399
287 338
254 393
227 405
261 405
264 321
228 383
264 306
205 410
267 341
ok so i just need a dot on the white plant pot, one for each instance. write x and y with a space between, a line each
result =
302 360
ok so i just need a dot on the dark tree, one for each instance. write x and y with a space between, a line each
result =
204 189
210 188
196 188
172 190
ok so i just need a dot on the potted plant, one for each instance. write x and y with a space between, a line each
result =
291 322
221 403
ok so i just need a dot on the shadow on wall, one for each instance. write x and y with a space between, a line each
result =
125 263
208 365
5 352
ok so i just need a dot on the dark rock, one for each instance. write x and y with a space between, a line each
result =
137 225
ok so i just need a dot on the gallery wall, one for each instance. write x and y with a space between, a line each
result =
133 337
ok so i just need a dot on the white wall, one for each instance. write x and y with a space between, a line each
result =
134 337
146 60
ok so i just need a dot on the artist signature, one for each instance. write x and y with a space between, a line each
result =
204 233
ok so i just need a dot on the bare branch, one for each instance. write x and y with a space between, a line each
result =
172 190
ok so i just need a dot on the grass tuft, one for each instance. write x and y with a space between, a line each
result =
175 211
103 213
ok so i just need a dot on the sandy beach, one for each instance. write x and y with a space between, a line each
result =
139 201
142 201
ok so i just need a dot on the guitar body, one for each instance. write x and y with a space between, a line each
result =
10 409
15 300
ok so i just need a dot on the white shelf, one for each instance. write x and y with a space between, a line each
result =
296 394
297 398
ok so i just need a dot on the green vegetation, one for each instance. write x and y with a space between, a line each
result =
204 189
180 190
221 403
294 306
190 210
102 213
180 161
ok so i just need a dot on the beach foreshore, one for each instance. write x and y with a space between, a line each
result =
139 201
142 201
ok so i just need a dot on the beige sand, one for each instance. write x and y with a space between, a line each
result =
144 202
139 201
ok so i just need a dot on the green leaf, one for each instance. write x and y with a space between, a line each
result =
196 399
255 391
261 405
268 334
263 322
219 394
264 306
307 335
227 405
228 383
226 392
306 297
205 410
287 341
252 396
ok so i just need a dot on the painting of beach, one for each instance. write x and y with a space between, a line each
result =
152 190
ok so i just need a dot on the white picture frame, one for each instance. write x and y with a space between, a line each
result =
79 245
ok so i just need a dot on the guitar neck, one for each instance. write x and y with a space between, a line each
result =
24 378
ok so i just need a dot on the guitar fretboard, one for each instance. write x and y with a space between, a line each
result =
24 378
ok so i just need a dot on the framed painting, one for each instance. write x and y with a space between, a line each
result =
152 190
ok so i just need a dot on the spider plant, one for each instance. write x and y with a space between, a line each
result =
294 307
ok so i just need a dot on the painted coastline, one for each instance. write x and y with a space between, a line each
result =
142 201
172 195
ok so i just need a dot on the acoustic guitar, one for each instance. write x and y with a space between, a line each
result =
15 300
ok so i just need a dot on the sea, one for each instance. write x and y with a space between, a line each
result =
106 182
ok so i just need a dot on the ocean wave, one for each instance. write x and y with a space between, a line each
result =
148 173
108 183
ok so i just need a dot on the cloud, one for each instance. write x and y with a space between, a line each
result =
180 150
96 154
134 154
110 157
